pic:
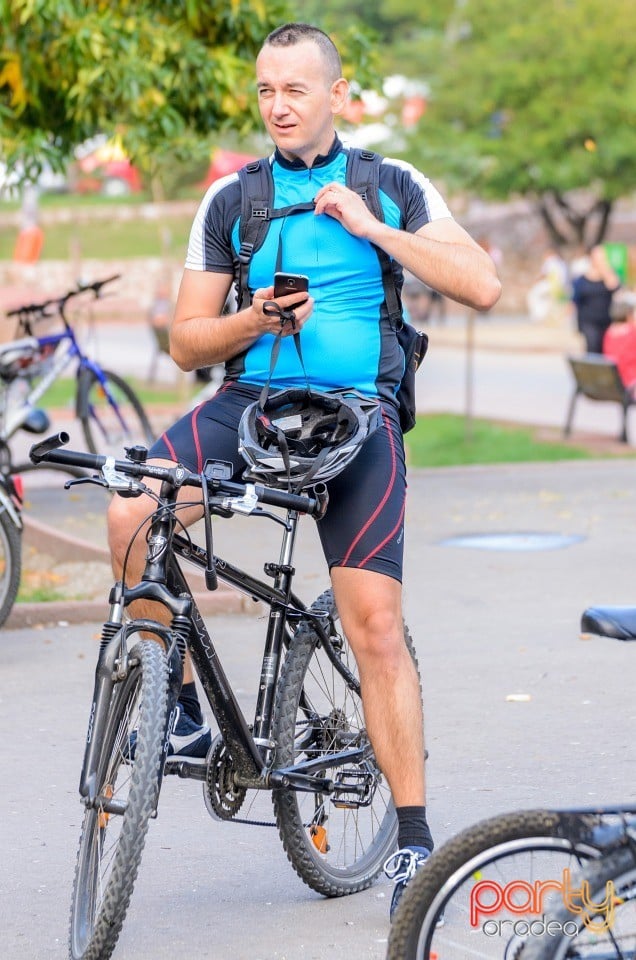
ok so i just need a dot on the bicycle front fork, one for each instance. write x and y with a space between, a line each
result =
112 668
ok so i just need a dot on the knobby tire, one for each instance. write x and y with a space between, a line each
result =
99 903
316 711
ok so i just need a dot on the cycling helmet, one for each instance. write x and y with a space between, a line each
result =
298 436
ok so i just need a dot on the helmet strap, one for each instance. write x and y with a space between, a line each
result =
272 309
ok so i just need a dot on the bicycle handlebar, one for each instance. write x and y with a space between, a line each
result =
48 451
60 302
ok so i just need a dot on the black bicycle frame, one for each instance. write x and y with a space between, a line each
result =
163 581
250 748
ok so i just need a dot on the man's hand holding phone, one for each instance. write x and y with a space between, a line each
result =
287 283
285 306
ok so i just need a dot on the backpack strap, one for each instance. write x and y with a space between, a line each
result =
363 177
257 197
257 193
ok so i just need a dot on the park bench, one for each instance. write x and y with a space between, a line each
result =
597 378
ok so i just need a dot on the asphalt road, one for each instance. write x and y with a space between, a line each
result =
486 624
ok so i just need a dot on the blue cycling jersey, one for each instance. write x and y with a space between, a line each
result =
347 341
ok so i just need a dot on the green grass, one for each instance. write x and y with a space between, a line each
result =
41 594
62 393
110 239
443 440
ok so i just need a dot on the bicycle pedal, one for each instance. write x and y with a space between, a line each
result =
187 771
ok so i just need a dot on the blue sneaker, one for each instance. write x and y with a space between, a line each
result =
401 867
189 740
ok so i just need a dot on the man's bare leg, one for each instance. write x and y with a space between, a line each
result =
370 608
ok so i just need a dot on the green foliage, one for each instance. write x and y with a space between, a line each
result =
159 75
531 98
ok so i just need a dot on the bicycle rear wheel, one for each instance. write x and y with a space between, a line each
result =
10 564
111 414
468 899
337 844
112 840
604 932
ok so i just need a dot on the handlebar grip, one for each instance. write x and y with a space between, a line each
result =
314 506
39 451
48 451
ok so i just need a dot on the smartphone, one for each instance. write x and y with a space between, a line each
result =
286 283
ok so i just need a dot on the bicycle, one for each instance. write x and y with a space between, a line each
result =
307 744
477 896
107 407
605 926
11 496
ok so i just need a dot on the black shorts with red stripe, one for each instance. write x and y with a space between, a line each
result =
364 523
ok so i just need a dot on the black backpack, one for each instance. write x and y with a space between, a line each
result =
363 176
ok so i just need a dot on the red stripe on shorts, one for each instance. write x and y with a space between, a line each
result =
384 499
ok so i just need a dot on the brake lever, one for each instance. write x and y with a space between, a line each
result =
98 481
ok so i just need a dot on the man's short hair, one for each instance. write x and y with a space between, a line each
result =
292 33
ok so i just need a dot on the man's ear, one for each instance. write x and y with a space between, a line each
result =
339 95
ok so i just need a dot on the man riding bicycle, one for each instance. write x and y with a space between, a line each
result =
347 342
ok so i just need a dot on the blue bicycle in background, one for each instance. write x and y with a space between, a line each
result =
111 414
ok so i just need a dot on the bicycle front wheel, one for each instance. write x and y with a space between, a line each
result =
600 923
477 894
111 414
336 843
10 564
115 826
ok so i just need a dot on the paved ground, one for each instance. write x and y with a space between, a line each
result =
486 624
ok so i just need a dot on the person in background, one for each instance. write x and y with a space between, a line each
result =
592 294
551 288
619 342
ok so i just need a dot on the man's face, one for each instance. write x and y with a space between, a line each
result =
296 99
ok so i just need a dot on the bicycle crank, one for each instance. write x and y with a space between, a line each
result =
223 798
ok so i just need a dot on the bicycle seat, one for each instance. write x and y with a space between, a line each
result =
619 623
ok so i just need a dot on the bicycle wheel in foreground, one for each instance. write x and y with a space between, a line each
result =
10 564
478 894
337 844
111 414
111 843
604 931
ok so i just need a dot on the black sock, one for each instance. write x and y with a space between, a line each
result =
413 830
189 700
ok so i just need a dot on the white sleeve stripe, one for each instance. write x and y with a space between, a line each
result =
195 257
435 204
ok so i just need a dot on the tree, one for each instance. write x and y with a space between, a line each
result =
532 99
161 76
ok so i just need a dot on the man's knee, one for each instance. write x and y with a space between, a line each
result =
123 517
380 637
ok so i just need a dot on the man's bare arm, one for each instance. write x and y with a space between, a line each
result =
445 257
202 335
